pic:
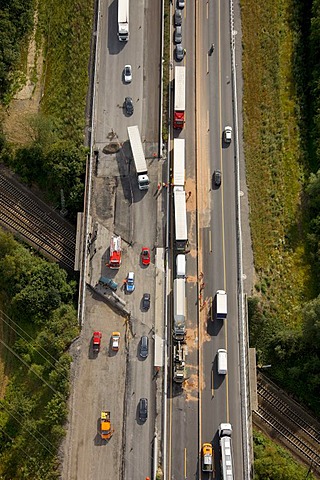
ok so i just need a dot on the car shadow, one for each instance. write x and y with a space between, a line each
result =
98 441
91 353
217 378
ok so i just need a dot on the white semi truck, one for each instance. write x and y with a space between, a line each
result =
227 469
138 157
123 20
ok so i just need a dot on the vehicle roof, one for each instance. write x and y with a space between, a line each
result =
207 447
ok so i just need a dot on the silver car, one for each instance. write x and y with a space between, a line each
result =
179 52
178 35
177 17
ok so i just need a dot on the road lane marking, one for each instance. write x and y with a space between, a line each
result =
210 242
222 201
212 383
185 463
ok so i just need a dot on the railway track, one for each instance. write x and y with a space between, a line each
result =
32 220
292 425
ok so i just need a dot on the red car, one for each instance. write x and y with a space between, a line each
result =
96 341
145 256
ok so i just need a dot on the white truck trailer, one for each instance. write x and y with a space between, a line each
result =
221 305
179 97
123 20
180 220
138 157
178 163
179 309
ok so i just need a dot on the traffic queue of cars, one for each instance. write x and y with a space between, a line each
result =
179 51
178 182
114 263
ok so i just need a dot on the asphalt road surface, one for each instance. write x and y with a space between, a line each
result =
117 382
194 421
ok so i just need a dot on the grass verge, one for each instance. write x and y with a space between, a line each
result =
66 27
274 157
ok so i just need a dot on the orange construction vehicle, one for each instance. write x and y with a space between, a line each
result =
105 425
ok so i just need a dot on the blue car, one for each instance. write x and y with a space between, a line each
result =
108 282
130 282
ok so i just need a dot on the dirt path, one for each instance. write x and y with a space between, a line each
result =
27 99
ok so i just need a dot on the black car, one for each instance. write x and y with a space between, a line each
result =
217 178
143 409
128 105
146 301
179 52
177 18
144 346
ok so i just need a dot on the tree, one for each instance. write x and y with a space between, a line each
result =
311 325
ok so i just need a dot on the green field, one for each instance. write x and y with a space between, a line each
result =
284 213
275 162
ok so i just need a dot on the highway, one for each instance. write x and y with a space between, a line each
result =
117 381
118 206
213 252
135 214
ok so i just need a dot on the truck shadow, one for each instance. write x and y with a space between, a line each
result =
213 326
98 441
114 45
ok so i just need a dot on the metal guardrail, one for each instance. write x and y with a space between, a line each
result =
88 186
243 328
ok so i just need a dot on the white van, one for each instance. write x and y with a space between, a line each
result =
222 361
181 266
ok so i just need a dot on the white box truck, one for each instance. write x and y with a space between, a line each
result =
181 266
123 20
222 361
221 305
138 157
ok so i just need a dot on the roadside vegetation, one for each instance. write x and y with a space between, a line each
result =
53 155
273 462
38 323
37 313
16 22
166 71
281 68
